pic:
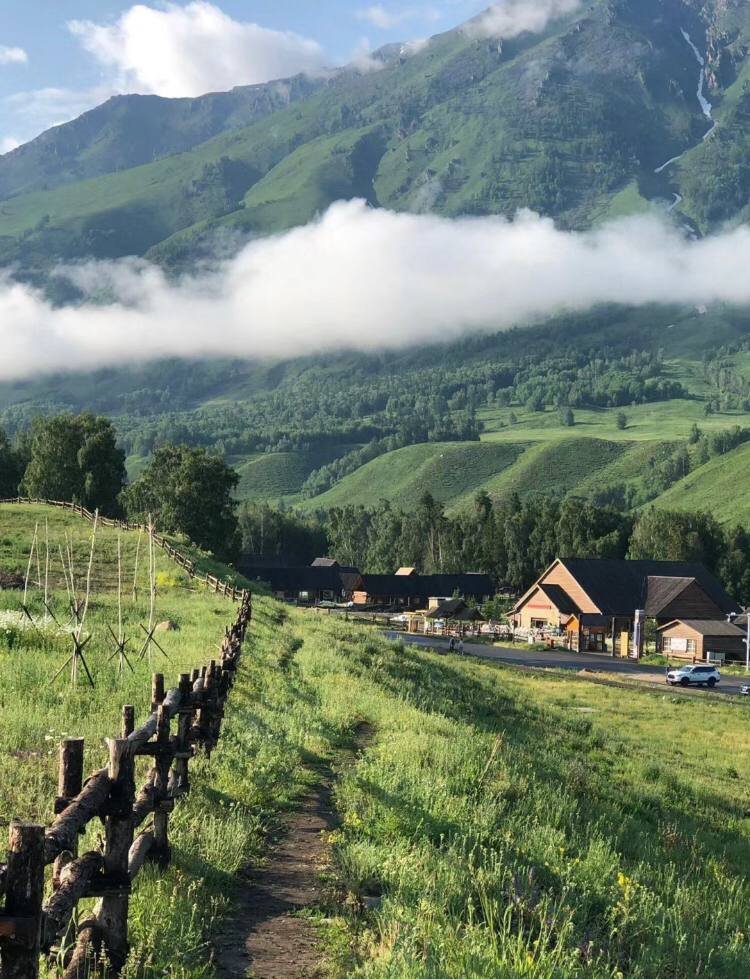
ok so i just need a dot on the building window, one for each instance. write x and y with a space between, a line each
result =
666 644
691 645
538 623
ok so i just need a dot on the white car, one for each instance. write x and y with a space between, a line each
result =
698 676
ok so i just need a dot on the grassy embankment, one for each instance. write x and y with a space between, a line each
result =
514 825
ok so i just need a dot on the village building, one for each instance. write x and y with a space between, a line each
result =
409 590
593 603
701 639
322 581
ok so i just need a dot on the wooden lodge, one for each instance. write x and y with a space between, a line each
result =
593 603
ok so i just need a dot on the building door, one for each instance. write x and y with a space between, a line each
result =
624 644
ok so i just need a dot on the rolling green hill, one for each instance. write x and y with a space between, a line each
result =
720 487
446 470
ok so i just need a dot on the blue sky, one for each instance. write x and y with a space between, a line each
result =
50 72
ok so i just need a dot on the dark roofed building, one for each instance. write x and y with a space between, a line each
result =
699 638
308 585
593 599
415 590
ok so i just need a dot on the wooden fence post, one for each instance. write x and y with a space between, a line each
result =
20 944
112 912
157 691
163 803
69 784
128 720
184 722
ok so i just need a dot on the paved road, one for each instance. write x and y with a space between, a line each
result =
565 660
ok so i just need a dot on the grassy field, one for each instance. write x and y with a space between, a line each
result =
661 421
720 487
448 470
538 454
517 825
280 475
506 823
38 712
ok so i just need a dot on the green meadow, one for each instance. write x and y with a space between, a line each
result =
496 823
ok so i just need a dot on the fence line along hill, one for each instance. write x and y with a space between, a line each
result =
45 877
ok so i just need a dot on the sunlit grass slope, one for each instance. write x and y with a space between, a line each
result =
510 824
447 470
505 823
720 487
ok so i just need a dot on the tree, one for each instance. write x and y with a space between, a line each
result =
75 458
666 535
10 468
622 421
188 491
567 418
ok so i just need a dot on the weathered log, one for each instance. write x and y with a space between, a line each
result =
69 784
86 953
138 854
75 879
128 720
89 803
145 801
20 949
161 851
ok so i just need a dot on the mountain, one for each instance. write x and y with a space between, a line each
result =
622 406
572 122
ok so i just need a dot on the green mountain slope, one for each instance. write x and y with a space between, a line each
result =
720 487
446 470
130 130
563 122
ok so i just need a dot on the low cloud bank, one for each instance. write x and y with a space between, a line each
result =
366 279
512 17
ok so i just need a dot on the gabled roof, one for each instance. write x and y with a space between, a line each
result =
448 608
661 592
406 571
559 598
325 562
706 627
619 587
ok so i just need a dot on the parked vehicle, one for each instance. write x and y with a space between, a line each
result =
694 676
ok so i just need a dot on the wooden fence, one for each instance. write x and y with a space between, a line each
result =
31 927
211 581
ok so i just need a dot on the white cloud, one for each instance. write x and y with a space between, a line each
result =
12 56
512 17
384 19
8 143
189 50
368 279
